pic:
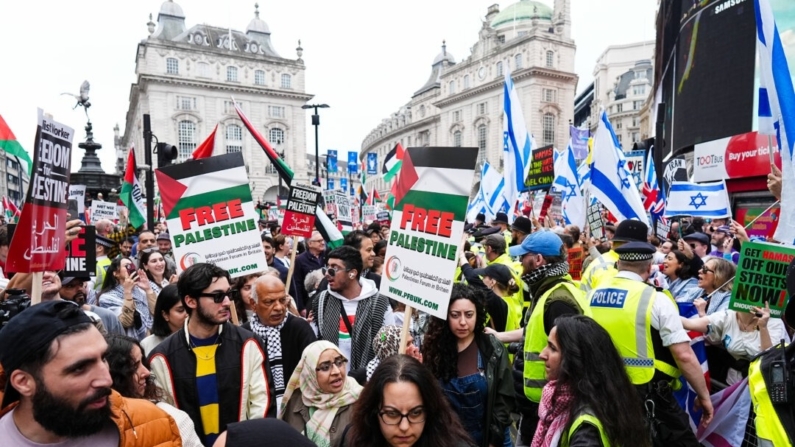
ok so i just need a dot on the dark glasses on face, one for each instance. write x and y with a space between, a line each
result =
332 271
706 270
218 297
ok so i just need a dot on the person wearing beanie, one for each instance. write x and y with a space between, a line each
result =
501 221
520 229
603 267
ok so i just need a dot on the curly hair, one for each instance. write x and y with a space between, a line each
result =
122 368
584 343
440 346
442 426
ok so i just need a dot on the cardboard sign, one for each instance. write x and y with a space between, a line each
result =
427 224
575 258
369 213
383 218
542 169
41 246
635 162
330 203
344 220
78 193
103 210
210 214
761 276
81 261
663 228
595 222
299 217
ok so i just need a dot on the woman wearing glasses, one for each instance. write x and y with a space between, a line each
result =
715 286
402 406
121 293
472 368
318 398
681 272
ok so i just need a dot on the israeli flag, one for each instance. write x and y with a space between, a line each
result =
517 145
372 163
492 186
568 183
611 182
694 199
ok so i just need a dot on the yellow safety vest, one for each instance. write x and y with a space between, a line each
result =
769 430
516 301
584 418
101 271
623 307
535 340
601 269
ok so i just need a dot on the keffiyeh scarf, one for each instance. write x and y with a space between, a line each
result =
546 271
115 298
272 336
385 345
553 414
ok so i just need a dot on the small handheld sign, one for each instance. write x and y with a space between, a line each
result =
761 277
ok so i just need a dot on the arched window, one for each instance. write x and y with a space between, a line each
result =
287 81
518 59
231 74
483 133
172 66
234 138
549 128
186 137
452 87
466 81
550 59
457 138
259 77
499 68
276 136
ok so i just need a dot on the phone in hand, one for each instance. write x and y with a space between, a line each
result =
130 268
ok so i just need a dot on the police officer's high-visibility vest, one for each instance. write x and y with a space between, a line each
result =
600 270
623 307
581 419
102 268
515 301
769 430
535 339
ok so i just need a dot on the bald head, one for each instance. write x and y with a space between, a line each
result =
264 284
269 299
104 227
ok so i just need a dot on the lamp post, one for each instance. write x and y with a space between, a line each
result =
316 123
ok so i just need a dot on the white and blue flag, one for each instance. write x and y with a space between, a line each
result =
517 145
611 182
698 199
572 201
372 163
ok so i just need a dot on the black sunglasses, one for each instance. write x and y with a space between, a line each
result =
218 297
705 270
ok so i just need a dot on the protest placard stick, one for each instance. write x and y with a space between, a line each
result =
777 202
404 333
233 312
35 296
292 265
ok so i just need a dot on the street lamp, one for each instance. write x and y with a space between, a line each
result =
316 123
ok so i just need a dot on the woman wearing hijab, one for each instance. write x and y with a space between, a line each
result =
387 343
318 398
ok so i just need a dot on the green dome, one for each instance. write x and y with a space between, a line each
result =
522 11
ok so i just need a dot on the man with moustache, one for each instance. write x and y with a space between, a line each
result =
74 289
58 386
213 370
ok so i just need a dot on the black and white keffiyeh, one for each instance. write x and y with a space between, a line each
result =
546 271
272 335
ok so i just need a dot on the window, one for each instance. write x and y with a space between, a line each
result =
229 107
231 74
482 139
456 116
549 95
466 81
635 137
634 121
457 138
618 124
11 163
204 69
499 68
639 90
518 61
550 59
483 108
259 77
618 137
636 105
172 66
276 111
186 139
549 128
408 141
452 87
234 138
619 108
276 136
186 103
287 81
501 38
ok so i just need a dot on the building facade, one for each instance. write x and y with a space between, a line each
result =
14 178
354 180
186 79
461 104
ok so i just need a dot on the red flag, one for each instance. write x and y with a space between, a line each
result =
206 148
406 179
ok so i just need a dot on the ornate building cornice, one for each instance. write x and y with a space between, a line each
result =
202 84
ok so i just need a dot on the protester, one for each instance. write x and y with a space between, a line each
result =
122 295
380 248
126 247
681 272
387 343
285 336
319 396
666 247
106 229
501 221
129 370
645 327
402 406
306 263
47 400
494 246
520 229
169 317
281 249
363 310
723 241
359 241
146 240
156 270
582 404
696 243
312 283
273 262
227 363
499 282
164 245
602 269
261 433
243 287
472 368
715 279
74 289
103 247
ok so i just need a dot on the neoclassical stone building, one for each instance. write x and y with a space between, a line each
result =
461 104
186 79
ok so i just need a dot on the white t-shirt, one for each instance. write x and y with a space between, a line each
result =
724 329
10 435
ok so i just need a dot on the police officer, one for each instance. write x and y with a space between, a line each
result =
645 327
604 267
501 221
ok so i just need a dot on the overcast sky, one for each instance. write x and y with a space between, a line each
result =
363 59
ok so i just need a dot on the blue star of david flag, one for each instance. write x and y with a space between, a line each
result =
572 201
693 199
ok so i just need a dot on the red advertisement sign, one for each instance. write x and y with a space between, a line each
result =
43 247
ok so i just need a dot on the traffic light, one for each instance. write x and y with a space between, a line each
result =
166 154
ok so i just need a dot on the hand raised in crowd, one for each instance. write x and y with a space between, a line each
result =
413 351
701 306
761 322
129 281
174 278
728 243
684 247
73 230
142 281
739 231
774 181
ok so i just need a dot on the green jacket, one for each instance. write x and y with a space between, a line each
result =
501 396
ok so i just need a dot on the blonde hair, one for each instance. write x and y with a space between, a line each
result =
724 272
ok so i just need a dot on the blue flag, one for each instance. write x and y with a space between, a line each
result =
353 162
331 161
372 163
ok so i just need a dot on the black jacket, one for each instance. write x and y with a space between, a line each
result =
296 335
305 264
500 402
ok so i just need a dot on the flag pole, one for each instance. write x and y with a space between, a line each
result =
777 202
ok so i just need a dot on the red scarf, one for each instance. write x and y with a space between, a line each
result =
553 413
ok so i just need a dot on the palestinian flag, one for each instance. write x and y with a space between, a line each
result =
323 224
392 162
206 148
362 192
12 213
131 193
375 198
9 144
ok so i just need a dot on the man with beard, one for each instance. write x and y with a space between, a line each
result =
267 247
521 228
213 370
125 249
546 273
58 386
74 289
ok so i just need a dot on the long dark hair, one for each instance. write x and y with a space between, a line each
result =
145 255
168 298
584 343
122 367
442 427
688 267
440 345
110 282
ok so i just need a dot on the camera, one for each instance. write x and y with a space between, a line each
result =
16 301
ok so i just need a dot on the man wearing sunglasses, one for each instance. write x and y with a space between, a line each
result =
213 370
